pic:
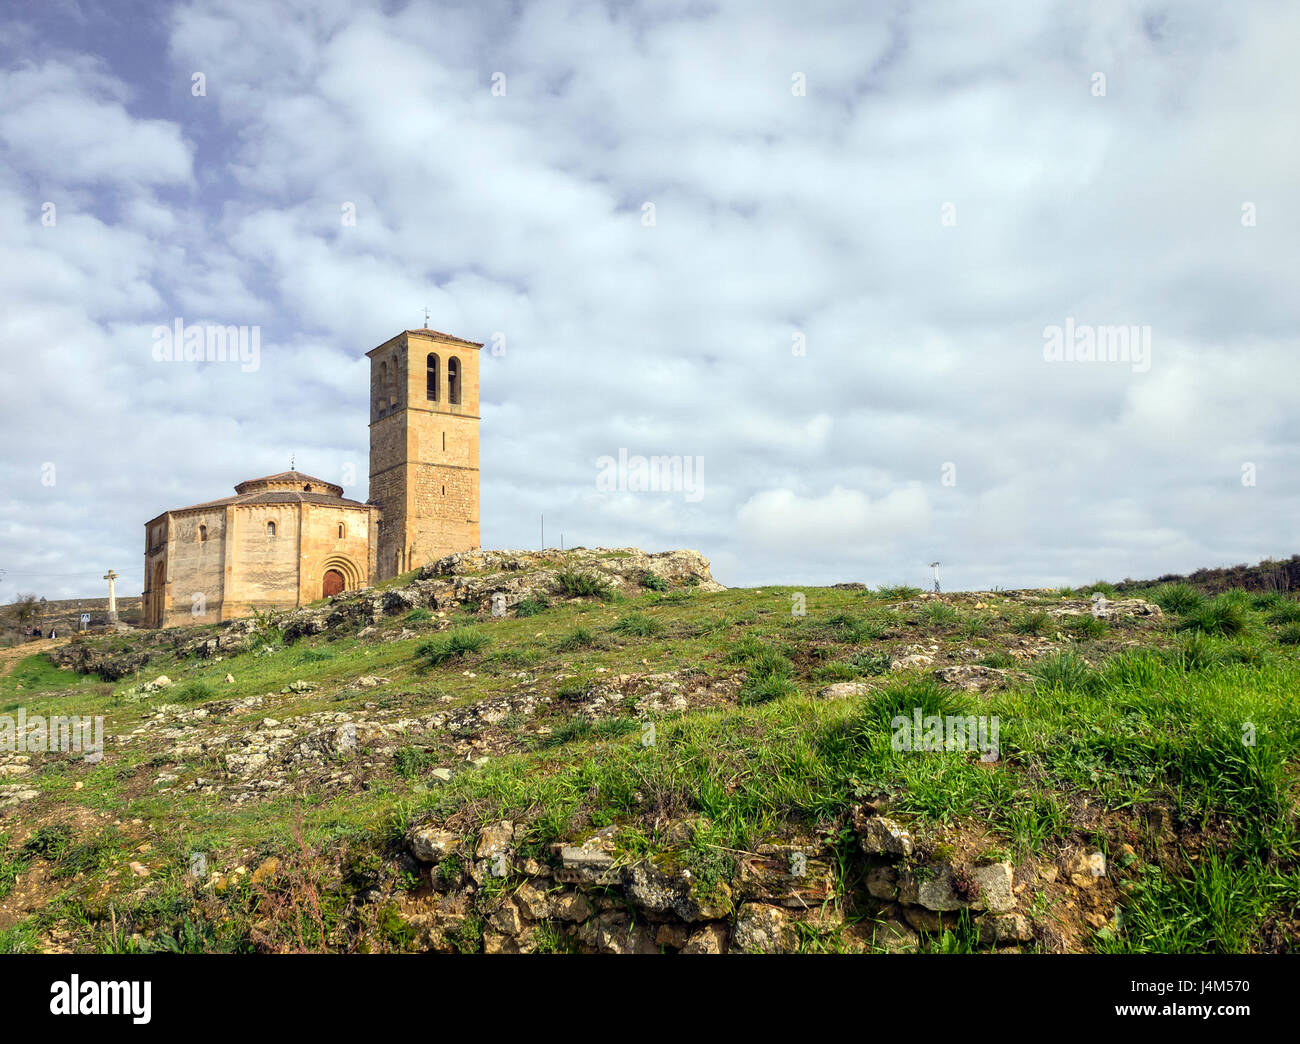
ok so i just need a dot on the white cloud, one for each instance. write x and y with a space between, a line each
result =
841 522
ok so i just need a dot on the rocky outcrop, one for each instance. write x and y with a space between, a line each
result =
515 575
1107 608
488 581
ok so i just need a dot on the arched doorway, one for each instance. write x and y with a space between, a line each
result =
332 583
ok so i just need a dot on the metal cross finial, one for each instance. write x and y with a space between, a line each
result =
426 318
292 457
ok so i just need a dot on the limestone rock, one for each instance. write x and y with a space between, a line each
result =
495 839
429 844
1086 868
844 690
763 929
975 678
978 888
880 835
712 938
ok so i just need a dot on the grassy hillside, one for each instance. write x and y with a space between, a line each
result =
652 766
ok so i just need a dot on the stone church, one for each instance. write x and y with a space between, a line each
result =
289 539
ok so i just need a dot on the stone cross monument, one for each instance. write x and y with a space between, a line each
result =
110 576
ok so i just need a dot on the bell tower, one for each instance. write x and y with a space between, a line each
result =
424 448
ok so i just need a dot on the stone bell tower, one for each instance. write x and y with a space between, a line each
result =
424 448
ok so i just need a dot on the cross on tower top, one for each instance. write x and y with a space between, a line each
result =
110 575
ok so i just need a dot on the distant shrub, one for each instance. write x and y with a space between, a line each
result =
846 627
1285 611
409 761
578 638
653 582
521 656
577 584
939 614
310 655
1037 622
1001 659
763 690
1194 652
770 674
1086 626
194 692
1290 634
677 597
1177 598
833 672
639 625
1100 587
455 643
1223 616
1065 670
895 591
532 606
859 665
418 615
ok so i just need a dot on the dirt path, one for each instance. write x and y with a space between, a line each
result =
10 657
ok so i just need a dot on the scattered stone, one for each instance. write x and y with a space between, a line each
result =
1008 928
845 690
975 678
763 929
879 835
430 845
712 938
977 888
1086 867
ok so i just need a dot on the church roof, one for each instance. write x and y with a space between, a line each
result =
287 487
445 336
275 497
285 477
426 332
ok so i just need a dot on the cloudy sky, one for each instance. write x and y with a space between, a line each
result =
813 246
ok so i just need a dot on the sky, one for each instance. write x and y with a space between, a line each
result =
825 253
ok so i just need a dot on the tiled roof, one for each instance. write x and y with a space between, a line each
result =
445 336
276 497
426 332
288 476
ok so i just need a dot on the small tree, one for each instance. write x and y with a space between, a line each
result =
25 608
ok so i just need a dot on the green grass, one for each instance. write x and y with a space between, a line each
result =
1037 622
577 584
1177 598
1123 726
456 643
638 625
896 592
578 638
533 606
1223 616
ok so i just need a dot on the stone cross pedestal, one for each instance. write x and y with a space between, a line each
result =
110 576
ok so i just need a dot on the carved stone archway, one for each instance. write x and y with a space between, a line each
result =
339 573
